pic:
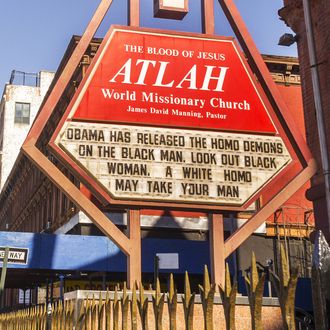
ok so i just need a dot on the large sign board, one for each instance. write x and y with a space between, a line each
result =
172 118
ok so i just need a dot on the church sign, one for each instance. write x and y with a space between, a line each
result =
169 117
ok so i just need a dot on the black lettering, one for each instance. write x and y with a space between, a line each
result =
120 136
228 191
128 169
85 150
106 152
263 147
224 144
203 158
260 162
195 189
229 160
168 172
69 134
237 176
198 142
160 187
171 156
85 134
126 185
136 153
160 139
197 173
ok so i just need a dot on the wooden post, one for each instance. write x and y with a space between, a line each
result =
134 257
4 271
208 17
134 12
217 249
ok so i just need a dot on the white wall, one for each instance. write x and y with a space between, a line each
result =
13 133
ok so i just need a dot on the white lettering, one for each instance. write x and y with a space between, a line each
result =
125 71
144 70
160 76
220 78
193 80
190 77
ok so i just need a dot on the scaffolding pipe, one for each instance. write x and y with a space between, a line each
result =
318 105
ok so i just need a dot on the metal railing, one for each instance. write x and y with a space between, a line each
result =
122 309
24 78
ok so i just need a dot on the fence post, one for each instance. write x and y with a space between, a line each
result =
4 271
255 288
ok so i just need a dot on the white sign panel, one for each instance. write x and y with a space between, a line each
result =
162 164
168 260
15 255
174 3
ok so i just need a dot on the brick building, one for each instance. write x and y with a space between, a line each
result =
293 15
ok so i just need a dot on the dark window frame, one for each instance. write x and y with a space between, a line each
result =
22 113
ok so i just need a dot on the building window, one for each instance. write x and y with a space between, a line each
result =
22 113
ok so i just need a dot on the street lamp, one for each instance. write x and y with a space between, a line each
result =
287 39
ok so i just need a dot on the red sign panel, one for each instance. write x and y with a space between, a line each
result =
173 80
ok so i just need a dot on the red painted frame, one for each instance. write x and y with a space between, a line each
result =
300 172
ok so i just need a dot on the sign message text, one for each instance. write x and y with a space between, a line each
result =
175 165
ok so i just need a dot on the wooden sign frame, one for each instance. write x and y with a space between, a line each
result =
131 244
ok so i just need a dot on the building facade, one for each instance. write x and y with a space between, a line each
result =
20 102
293 15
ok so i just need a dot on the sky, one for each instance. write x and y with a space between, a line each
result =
35 33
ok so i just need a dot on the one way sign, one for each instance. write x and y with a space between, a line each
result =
16 255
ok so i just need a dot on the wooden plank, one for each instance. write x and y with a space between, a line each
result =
244 232
83 202
134 12
208 17
259 67
134 258
217 249
4 271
